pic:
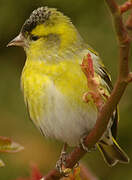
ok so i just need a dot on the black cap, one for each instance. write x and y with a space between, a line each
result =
38 16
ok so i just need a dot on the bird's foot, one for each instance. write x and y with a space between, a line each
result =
84 147
61 162
61 165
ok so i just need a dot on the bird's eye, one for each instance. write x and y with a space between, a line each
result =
34 38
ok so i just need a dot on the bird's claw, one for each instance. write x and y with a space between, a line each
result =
61 163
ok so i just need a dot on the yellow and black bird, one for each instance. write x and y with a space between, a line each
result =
53 82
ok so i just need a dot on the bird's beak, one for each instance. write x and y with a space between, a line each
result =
17 41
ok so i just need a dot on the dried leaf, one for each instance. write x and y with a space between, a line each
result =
7 145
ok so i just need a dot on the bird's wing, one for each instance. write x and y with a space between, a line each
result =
104 74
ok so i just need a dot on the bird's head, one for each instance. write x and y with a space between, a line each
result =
47 31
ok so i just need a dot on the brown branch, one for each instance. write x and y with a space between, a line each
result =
122 81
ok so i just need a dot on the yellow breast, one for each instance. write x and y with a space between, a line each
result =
67 77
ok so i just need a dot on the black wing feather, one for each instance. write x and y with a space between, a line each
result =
104 75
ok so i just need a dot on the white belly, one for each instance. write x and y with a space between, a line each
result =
63 122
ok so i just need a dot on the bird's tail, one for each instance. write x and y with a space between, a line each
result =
112 153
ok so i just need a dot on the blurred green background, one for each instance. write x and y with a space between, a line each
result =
92 19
